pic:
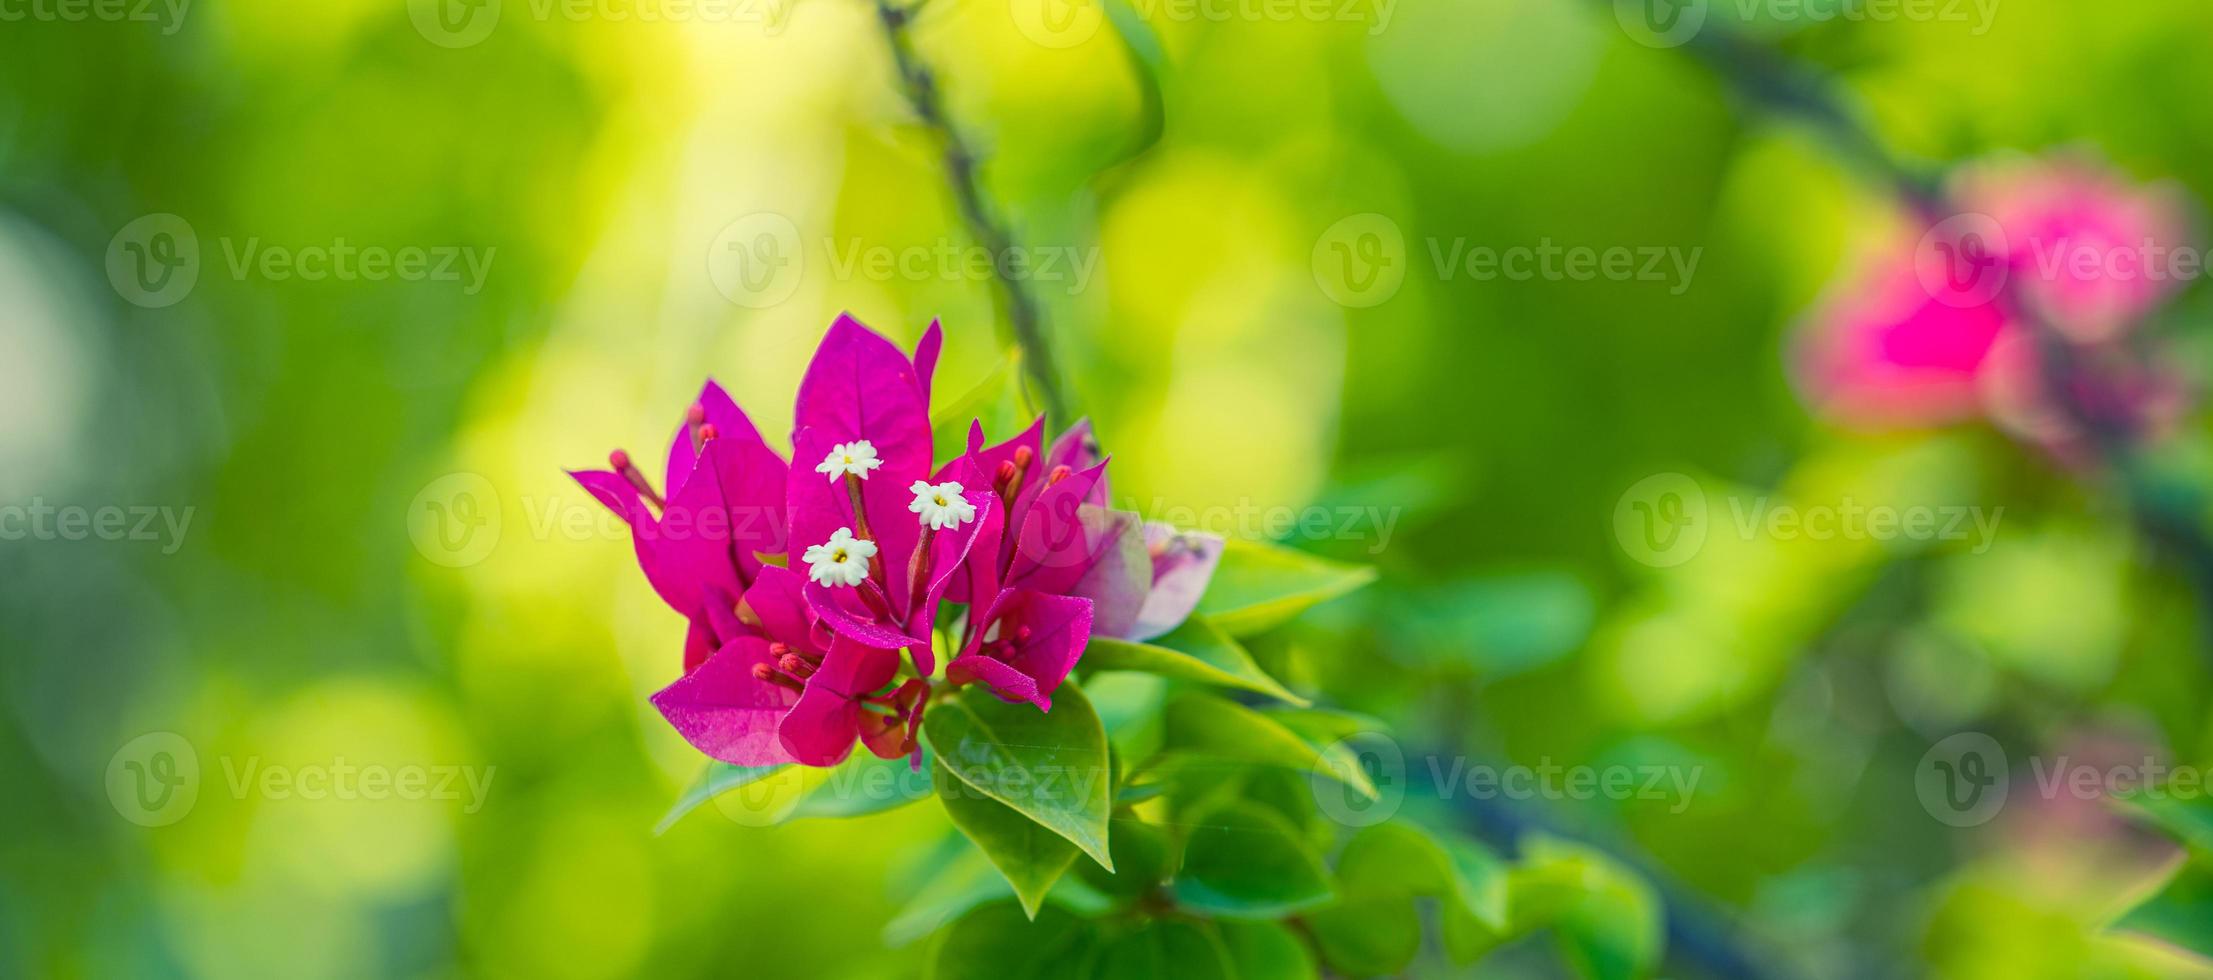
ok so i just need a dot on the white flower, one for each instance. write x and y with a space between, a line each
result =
941 506
842 560
857 457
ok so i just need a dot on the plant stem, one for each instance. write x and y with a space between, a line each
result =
961 171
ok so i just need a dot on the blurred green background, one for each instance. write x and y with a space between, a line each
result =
302 603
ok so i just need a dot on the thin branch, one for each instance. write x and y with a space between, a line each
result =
1016 303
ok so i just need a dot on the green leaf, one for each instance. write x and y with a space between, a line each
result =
1208 725
1196 651
2188 821
1050 766
1368 936
967 881
1399 858
1144 857
2180 913
998 942
1029 856
1149 62
713 781
1245 860
861 785
1259 587
1607 918
1265 951
1166 948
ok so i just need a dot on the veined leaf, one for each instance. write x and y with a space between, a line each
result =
1265 951
861 785
713 781
1166 948
1196 651
2180 913
1208 725
1050 766
1244 860
997 942
1259 587
1029 856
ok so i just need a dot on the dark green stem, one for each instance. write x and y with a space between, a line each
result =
1015 302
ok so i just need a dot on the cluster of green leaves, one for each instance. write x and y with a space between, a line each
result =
1181 811
2181 910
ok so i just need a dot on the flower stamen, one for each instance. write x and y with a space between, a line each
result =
619 461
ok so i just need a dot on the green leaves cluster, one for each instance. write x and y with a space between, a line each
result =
1167 818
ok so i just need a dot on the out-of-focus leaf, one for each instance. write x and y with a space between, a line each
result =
1501 624
1265 951
1195 651
1144 857
1149 62
1244 860
713 781
863 784
1051 766
998 942
1029 856
1396 857
1259 587
1208 725
2188 821
1128 705
1166 948
966 882
1606 917
1368 937
2180 913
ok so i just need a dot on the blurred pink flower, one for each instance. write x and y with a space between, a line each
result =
1933 330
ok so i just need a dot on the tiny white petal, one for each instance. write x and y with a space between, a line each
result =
857 458
941 506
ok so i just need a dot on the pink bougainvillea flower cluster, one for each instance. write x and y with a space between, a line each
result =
813 587
1938 328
